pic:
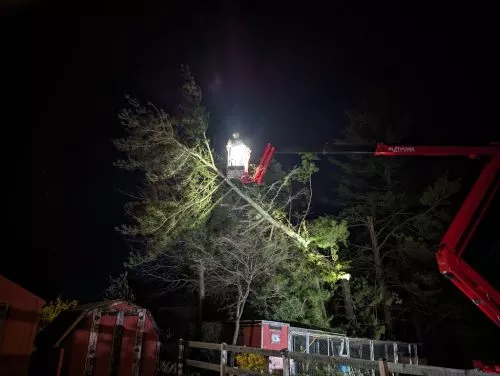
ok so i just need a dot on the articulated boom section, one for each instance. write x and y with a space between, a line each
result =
260 171
458 235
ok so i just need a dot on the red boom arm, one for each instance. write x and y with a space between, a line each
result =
465 222
261 169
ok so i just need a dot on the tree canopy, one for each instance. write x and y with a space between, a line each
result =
189 221
395 227
365 266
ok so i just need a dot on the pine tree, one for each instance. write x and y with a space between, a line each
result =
393 228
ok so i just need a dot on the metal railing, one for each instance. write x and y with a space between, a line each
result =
326 343
287 363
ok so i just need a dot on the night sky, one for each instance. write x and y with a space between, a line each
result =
285 74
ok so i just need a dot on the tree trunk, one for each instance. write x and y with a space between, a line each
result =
263 212
388 318
236 331
201 297
268 217
417 324
323 308
379 277
348 303
240 306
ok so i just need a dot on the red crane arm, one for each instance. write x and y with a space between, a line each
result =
437 151
465 222
265 160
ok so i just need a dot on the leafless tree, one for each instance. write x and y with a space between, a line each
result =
240 265
119 288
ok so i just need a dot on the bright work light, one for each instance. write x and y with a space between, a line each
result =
238 157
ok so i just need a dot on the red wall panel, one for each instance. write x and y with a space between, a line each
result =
252 335
20 328
128 342
76 346
275 336
149 360
104 345
75 351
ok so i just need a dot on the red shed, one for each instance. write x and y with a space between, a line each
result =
104 338
270 335
19 314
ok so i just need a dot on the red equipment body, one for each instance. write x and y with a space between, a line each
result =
458 235
260 171
486 367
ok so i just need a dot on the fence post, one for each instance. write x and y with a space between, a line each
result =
223 358
372 356
180 359
286 362
382 368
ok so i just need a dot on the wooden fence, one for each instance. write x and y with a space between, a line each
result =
314 365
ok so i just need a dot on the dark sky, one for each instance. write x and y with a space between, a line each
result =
285 74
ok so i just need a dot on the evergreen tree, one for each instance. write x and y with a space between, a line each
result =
393 231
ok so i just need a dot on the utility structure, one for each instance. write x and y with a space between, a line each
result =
238 159
459 233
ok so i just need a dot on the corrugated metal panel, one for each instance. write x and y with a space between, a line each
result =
95 357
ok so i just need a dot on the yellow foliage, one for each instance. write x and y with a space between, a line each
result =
252 362
53 308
